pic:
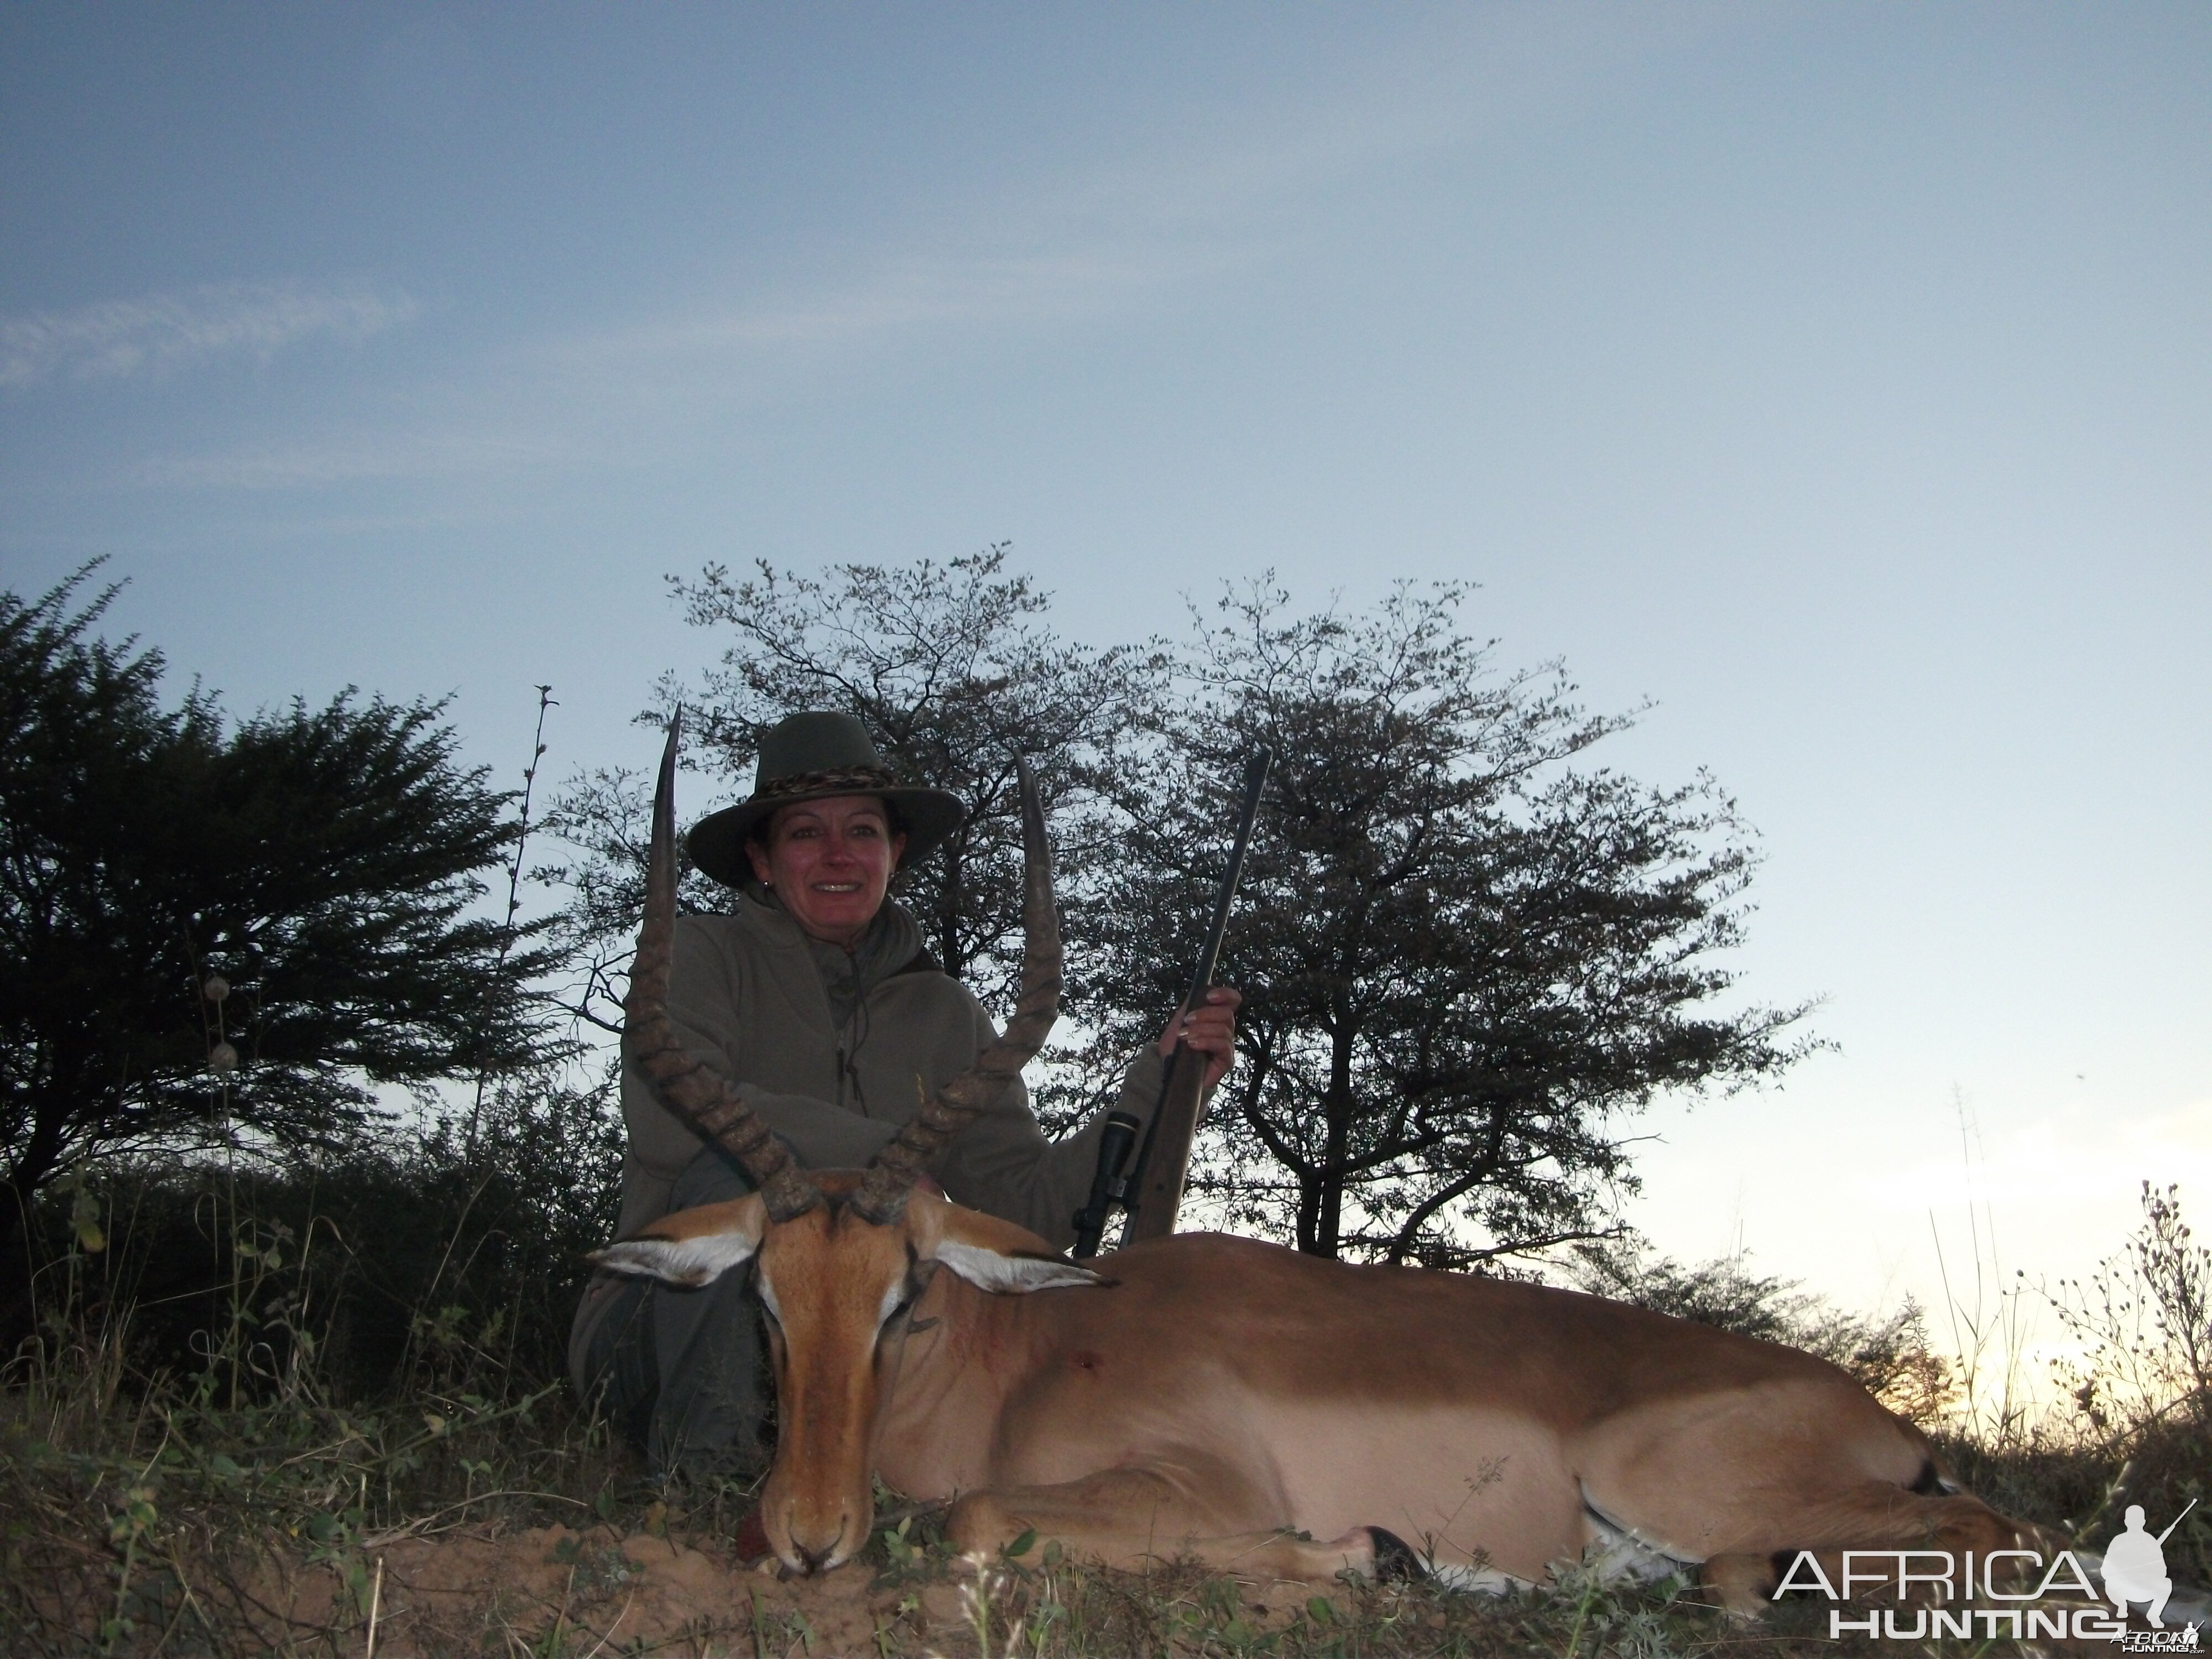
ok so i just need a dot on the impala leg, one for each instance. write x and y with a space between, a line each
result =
1743 1479
1875 1517
1183 1508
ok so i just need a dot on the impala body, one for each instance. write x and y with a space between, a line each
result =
1265 1411
1486 1424
1217 1397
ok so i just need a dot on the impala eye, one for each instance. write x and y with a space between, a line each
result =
898 1300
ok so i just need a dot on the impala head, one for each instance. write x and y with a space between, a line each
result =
838 1289
840 1257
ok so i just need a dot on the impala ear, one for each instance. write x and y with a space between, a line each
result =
692 1247
997 1255
1012 1274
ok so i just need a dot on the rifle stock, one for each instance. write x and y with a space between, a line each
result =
1159 1190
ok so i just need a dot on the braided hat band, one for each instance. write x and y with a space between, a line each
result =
833 780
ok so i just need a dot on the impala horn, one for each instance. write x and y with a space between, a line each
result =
882 1196
697 1094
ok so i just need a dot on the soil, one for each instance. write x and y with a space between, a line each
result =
549 1589
555 1593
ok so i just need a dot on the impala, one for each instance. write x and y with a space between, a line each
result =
1263 1411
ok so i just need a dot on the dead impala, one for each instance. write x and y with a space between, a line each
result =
1263 1411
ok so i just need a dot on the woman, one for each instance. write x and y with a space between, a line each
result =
816 998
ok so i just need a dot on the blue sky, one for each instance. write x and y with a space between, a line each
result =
1838 377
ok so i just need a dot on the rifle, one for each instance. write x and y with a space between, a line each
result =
2178 1520
1152 1191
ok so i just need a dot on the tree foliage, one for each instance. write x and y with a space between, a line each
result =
953 672
321 863
1466 958
423 1261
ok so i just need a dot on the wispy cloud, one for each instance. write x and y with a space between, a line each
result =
1093 241
1074 245
441 451
910 293
158 333
1075 248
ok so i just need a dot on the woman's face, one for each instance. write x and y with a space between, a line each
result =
829 861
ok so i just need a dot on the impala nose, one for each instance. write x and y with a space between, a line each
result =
821 1557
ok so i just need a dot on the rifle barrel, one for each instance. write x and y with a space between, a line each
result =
1165 1189
1209 956
2178 1520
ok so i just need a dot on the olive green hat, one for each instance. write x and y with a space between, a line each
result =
810 757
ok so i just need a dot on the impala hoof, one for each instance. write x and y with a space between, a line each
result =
1395 1560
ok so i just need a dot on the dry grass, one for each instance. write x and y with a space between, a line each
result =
261 1487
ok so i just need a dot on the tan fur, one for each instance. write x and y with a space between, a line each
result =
1219 1397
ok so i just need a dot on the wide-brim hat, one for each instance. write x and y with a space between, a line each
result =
812 756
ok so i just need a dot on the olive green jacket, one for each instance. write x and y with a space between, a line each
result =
835 1052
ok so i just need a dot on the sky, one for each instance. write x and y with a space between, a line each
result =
1836 378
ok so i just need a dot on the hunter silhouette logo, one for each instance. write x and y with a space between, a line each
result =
2134 1566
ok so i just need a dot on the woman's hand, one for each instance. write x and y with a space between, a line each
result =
1210 1028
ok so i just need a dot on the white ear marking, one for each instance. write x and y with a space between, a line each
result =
690 1261
988 1270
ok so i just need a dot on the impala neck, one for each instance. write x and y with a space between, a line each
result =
953 1380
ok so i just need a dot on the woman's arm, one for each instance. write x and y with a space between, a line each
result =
1003 1165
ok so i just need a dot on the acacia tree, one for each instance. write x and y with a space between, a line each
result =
1467 958
954 673
317 866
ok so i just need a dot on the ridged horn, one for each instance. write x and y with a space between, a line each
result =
881 1197
696 1093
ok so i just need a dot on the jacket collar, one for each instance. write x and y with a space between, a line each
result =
892 943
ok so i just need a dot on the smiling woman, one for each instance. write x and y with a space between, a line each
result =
815 999
829 862
826 826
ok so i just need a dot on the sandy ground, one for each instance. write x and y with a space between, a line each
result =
552 1589
553 1592
549 1590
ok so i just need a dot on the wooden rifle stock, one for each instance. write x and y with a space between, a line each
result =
1155 1189
1156 1193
